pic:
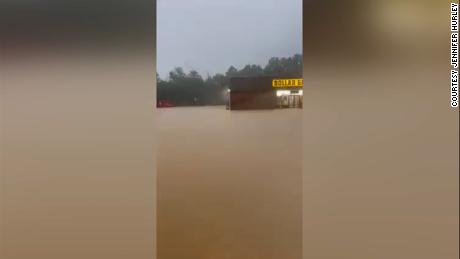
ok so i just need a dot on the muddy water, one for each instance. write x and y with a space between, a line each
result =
229 183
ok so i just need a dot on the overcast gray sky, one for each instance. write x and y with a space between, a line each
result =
211 35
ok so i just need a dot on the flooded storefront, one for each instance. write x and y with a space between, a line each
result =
247 93
289 98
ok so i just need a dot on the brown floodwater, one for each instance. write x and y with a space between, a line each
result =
229 183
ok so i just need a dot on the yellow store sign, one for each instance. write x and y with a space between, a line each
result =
279 83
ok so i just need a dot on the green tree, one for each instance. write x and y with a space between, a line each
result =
232 71
177 73
194 74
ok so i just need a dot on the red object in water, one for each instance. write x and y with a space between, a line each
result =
164 104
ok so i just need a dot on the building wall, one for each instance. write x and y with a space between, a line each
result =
242 100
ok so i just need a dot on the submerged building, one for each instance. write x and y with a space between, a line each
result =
246 93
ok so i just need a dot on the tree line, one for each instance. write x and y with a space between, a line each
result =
185 89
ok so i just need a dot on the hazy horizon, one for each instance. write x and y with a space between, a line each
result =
211 35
